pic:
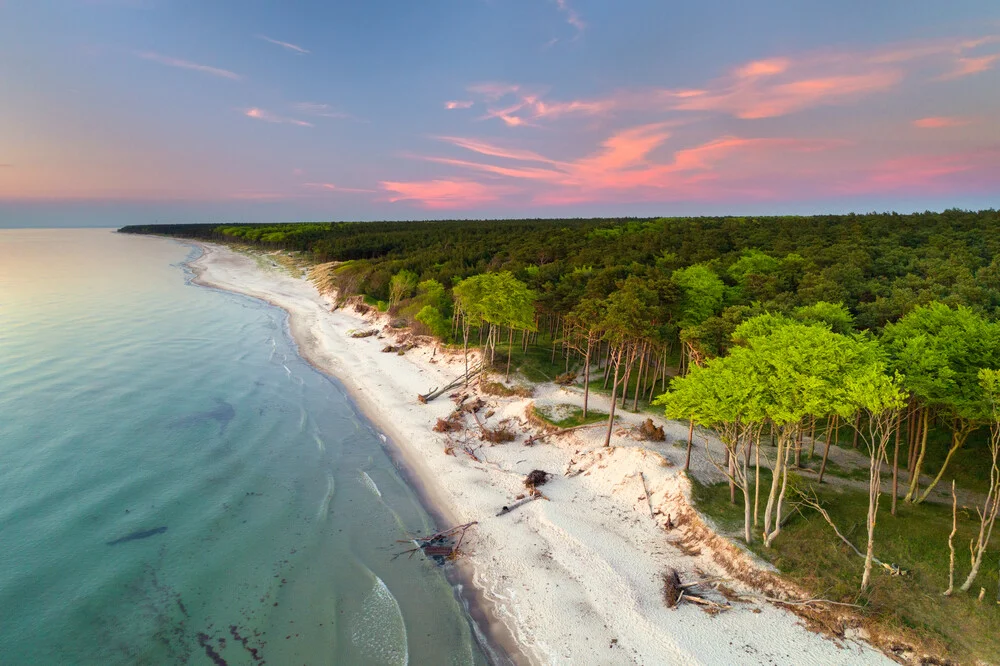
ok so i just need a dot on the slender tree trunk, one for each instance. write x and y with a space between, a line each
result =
731 466
987 520
915 475
586 378
638 379
775 483
630 360
958 440
812 439
747 522
857 430
798 449
687 460
756 482
510 352
826 450
895 466
783 473
465 348
611 412
951 541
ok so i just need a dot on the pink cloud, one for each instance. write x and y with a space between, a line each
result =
974 171
458 104
938 122
438 194
185 64
759 68
757 89
268 117
624 167
968 66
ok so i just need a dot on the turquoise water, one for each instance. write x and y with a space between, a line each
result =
134 403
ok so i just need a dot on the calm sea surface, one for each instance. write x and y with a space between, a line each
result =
263 510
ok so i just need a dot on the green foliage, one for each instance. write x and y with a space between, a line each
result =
940 350
702 293
402 285
435 322
834 315
497 298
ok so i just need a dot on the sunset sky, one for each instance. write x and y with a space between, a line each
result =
119 111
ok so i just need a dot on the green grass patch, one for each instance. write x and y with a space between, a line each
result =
568 416
809 553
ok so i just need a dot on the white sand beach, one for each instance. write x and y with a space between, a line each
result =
576 579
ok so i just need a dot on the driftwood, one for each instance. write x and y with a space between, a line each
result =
675 592
430 395
530 498
437 545
649 502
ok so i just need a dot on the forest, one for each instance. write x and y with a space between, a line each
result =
778 336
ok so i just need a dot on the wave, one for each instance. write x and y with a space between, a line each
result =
367 480
324 506
380 632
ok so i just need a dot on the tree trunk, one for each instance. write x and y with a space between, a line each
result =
895 466
775 482
915 475
638 379
756 481
958 440
857 430
782 463
812 439
747 523
731 466
951 541
826 450
510 352
687 461
611 412
987 520
586 378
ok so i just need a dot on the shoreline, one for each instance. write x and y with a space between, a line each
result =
572 580
496 643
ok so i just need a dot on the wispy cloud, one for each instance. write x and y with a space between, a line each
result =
438 194
330 187
973 171
939 122
572 17
765 88
973 65
458 104
633 165
319 110
186 64
295 48
268 117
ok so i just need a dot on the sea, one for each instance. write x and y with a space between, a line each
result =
177 486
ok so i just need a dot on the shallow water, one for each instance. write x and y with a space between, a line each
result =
132 401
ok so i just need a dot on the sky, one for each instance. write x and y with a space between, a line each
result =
141 111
